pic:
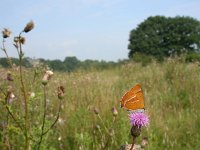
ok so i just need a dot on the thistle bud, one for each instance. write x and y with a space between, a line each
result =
29 27
96 111
10 95
47 76
114 111
97 127
22 40
6 33
60 92
144 142
135 131
16 39
9 76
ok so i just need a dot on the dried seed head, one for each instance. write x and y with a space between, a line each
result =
60 92
6 33
144 142
114 111
22 40
16 39
111 132
96 111
29 27
47 76
10 95
9 76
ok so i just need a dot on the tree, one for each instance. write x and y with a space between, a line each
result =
71 63
161 37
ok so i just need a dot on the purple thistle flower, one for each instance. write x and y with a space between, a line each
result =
139 119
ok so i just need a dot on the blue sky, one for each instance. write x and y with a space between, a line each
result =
87 29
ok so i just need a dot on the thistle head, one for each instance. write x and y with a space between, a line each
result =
96 110
139 119
6 33
114 111
29 26
60 92
47 76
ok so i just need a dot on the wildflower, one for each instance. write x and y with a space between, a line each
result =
29 27
139 119
60 92
47 76
114 111
6 33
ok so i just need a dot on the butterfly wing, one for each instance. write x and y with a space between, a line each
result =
133 99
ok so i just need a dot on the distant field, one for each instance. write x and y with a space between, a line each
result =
172 101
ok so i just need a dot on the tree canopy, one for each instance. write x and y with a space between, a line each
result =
161 36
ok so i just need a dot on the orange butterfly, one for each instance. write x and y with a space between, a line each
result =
133 99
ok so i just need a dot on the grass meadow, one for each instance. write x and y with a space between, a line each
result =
172 101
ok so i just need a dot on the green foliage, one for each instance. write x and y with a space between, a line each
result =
161 36
192 57
144 59
68 65
171 99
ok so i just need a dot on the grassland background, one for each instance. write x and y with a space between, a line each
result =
172 101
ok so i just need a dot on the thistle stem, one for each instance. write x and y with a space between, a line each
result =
27 142
133 143
52 125
4 49
43 119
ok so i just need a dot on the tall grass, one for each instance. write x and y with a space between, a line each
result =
171 99
85 119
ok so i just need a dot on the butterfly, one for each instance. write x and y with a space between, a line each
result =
133 100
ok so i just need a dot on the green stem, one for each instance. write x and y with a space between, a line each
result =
27 142
58 115
4 49
43 119
133 143
109 135
103 123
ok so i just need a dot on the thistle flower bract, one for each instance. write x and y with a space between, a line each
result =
47 76
96 110
6 33
22 40
19 40
9 76
29 27
114 111
139 119
60 92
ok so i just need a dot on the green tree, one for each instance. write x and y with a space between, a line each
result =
161 37
71 63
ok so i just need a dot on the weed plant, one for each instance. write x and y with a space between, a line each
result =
87 120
